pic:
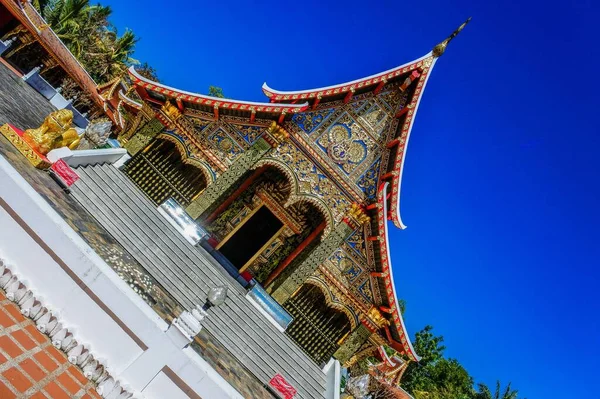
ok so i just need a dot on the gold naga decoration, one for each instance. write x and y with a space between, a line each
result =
278 133
357 213
55 132
441 48
171 111
376 316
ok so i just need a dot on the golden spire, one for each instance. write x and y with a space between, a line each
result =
440 48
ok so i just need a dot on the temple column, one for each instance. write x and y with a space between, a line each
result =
145 128
352 343
243 187
302 267
283 265
217 192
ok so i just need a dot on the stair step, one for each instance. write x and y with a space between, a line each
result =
186 273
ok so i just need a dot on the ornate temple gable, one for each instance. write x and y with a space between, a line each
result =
348 139
219 141
350 270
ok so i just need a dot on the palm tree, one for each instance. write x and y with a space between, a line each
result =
485 393
111 55
40 5
86 31
66 17
75 22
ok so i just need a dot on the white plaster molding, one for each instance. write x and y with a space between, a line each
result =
47 322
87 157
334 379
59 285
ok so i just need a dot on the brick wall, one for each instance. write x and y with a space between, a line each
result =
30 367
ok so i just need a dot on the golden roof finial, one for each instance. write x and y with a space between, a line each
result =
440 48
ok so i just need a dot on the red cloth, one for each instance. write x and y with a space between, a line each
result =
64 171
246 276
21 133
282 386
212 241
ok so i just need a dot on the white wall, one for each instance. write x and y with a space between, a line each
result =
93 302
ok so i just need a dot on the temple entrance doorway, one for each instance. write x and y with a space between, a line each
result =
161 173
259 231
244 243
317 328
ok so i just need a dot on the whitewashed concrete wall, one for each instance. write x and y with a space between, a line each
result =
100 309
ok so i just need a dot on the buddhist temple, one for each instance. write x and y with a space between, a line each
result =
290 200
295 192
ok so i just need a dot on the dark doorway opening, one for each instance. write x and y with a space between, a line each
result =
251 237
161 173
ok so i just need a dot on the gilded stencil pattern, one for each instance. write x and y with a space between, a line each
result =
249 133
310 121
311 181
349 268
226 138
357 242
224 145
351 137
368 182
200 124
365 291
345 144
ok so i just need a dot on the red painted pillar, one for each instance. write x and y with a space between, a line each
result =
317 100
281 267
235 194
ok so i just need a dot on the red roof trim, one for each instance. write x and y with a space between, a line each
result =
403 143
132 103
388 276
372 80
222 103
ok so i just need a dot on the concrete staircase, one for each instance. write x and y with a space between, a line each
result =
187 272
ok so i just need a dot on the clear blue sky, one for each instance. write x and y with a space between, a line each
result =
501 185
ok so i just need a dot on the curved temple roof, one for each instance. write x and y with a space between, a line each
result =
388 275
424 65
276 95
404 136
222 103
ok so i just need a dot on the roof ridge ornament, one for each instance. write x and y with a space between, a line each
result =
441 48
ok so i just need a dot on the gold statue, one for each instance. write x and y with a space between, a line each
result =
55 132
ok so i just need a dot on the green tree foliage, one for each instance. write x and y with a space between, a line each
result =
485 393
147 71
436 377
94 41
215 91
110 55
